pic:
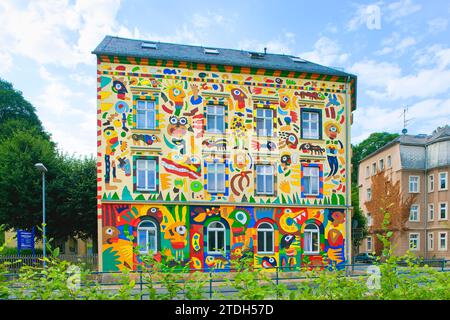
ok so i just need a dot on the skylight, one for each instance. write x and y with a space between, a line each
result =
256 55
148 45
297 59
210 51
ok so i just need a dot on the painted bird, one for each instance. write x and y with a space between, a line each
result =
268 262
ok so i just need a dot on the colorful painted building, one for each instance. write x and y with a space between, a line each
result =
205 153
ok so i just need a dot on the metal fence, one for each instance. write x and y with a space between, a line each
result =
15 262
217 284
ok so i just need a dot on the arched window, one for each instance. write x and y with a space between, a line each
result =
265 238
147 238
311 239
216 238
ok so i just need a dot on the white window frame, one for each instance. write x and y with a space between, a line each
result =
216 115
213 169
446 211
146 112
418 241
418 184
369 241
430 241
417 211
374 168
441 248
265 173
445 174
216 230
431 212
312 179
146 168
381 164
311 232
430 182
307 131
147 230
369 220
266 232
367 172
264 132
389 161
369 194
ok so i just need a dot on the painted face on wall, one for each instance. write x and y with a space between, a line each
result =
332 130
177 126
176 234
286 160
111 136
239 96
110 235
338 218
177 94
286 241
118 87
241 219
284 102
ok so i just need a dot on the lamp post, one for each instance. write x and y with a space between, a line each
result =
43 169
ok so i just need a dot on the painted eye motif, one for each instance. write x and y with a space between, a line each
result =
237 92
181 230
271 260
333 129
176 92
153 137
109 231
118 86
289 237
153 210
183 121
291 138
173 120
241 217
288 211
285 99
278 80
283 158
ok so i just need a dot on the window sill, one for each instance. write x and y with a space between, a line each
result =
145 191
311 253
138 130
266 253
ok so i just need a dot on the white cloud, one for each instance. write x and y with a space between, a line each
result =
426 83
396 44
281 45
375 74
59 32
6 62
400 9
326 52
437 25
422 120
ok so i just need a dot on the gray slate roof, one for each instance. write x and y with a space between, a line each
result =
412 157
181 52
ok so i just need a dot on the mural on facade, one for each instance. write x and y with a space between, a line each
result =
183 237
183 148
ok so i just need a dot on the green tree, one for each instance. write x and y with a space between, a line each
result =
374 142
14 106
360 151
71 182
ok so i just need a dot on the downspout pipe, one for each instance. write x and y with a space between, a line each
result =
348 204
425 204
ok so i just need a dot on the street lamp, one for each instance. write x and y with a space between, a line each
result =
43 169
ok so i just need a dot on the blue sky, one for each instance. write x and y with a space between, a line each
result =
400 51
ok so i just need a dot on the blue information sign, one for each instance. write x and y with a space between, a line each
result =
25 240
